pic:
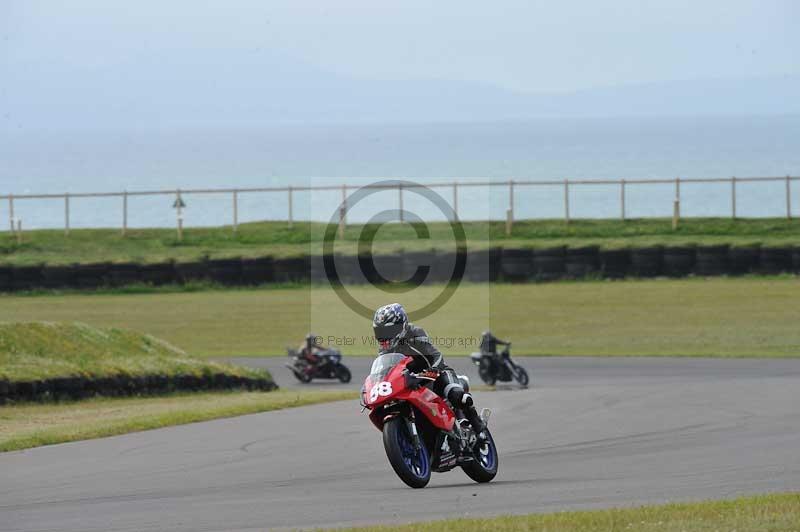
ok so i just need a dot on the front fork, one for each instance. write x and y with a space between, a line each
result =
412 428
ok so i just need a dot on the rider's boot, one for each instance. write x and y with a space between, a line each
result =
463 400
459 398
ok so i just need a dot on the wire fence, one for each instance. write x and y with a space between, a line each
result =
450 190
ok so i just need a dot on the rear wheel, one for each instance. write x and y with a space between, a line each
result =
412 465
343 374
486 373
484 466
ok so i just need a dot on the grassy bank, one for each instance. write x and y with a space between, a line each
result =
40 351
695 317
276 239
763 513
32 425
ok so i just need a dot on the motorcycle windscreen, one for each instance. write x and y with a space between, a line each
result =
382 365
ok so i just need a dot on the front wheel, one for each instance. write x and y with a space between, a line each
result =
412 465
521 375
302 376
483 467
343 374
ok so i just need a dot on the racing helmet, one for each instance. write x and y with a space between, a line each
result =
311 339
389 323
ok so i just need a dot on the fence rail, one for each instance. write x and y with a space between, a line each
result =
510 184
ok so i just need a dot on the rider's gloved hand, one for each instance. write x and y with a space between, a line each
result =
418 380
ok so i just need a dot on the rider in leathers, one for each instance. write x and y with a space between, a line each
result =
489 343
397 335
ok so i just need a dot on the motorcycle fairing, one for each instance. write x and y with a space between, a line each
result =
377 394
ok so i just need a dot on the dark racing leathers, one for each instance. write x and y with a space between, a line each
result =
415 343
489 344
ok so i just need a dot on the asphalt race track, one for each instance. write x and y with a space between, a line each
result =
590 433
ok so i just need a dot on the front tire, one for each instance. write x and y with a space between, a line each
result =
413 466
522 376
484 466
343 374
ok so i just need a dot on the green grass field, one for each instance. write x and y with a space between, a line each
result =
763 513
739 317
276 239
45 350
31 425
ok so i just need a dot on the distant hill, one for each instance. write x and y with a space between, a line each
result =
264 88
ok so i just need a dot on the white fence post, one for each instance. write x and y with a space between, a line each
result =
19 231
290 207
788 198
343 212
676 205
510 211
400 200
66 214
235 210
566 200
622 199
11 212
733 197
455 199
125 213
179 214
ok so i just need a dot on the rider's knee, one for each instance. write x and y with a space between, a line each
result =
456 394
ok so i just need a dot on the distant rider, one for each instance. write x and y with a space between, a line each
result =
310 350
397 335
489 343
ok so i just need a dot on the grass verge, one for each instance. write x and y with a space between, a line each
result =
46 350
276 239
762 513
728 317
32 425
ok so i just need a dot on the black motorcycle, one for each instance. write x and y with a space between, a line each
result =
500 367
328 366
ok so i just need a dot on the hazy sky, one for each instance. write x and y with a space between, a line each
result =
525 45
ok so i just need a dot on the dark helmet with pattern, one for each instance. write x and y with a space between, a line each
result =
389 323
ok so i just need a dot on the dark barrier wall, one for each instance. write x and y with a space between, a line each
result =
123 385
582 262
27 278
646 262
186 272
226 271
158 274
257 271
6 279
124 274
712 260
678 261
292 269
483 265
742 260
614 262
775 260
495 264
549 263
516 264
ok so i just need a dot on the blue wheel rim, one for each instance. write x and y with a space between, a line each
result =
486 455
416 460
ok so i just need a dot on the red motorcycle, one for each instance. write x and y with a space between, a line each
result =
422 433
